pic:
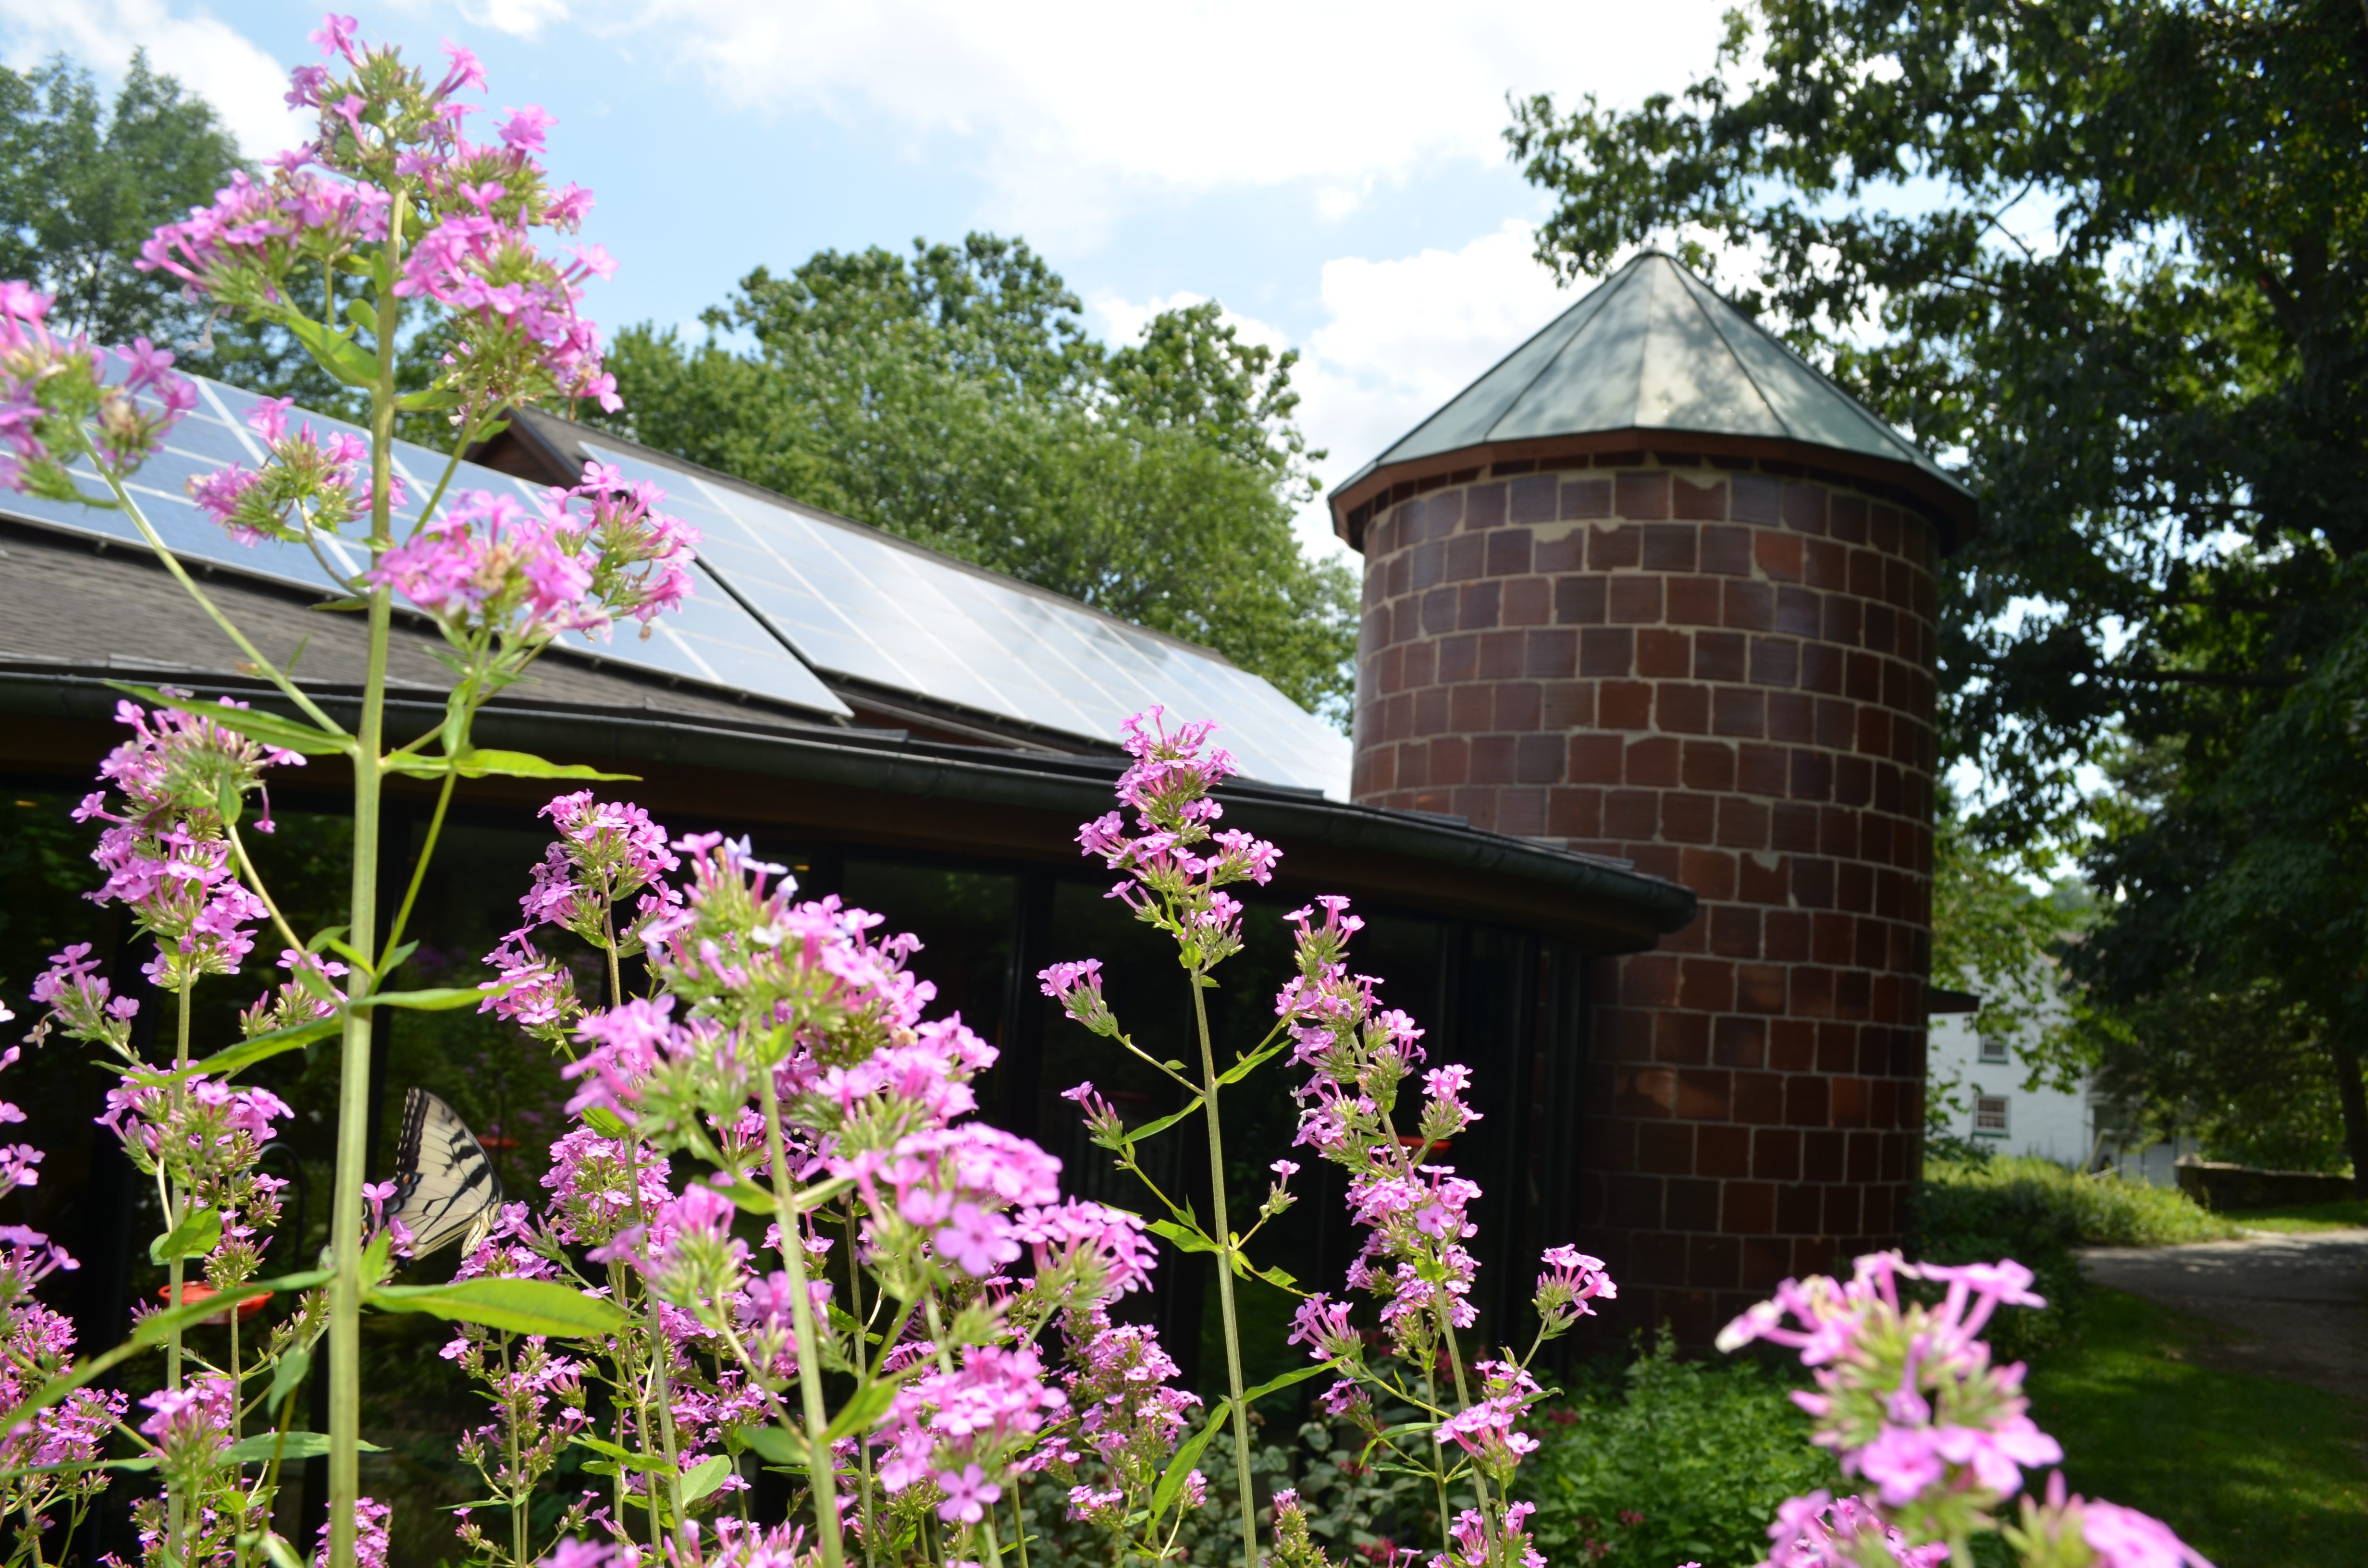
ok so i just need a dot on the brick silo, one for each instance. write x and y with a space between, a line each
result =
1656 589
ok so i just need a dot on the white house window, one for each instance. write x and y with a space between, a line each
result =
1989 1115
1993 1048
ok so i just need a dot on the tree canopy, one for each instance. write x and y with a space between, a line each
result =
2110 258
954 397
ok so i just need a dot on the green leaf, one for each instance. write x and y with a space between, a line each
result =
751 1197
283 1555
1152 1128
335 352
342 606
704 1477
1277 1384
1191 1241
438 999
1248 1064
392 960
628 1458
198 1232
358 311
608 1124
412 764
287 1375
257 1449
1171 1480
859 1412
262 1048
479 763
778 1444
513 1306
289 734
432 398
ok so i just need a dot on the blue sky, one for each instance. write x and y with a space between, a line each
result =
1333 173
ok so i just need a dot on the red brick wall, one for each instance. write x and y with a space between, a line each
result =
1725 676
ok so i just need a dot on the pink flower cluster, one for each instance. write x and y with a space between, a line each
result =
241 249
959 1428
806 1008
309 482
1910 1403
56 403
389 139
576 561
1170 884
165 849
1122 1409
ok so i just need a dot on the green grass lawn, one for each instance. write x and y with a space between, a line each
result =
2254 1472
2350 1212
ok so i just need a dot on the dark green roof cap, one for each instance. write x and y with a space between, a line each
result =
1654 349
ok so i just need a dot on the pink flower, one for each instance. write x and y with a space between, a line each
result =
968 1494
975 1240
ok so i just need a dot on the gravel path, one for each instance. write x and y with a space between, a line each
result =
2299 1302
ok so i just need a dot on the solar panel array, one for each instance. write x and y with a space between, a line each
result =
827 596
861 604
711 639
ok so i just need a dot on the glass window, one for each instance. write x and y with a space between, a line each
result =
1989 1115
1993 1048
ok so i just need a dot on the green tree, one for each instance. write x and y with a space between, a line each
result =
83 183
2112 258
954 397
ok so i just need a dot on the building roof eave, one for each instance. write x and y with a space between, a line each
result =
928 795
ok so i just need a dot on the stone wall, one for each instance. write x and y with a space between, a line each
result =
1725 674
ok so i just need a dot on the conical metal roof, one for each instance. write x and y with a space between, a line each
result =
1654 349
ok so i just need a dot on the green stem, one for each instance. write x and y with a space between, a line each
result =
1225 1252
420 871
819 1474
176 1508
255 880
520 1501
354 1056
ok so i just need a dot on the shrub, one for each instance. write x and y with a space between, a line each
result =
1678 1461
2022 1195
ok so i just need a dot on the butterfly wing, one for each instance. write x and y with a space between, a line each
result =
445 1185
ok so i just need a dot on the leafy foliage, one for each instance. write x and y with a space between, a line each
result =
955 399
2114 260
1993 934
1681 1461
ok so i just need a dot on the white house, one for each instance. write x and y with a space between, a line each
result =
1986 1077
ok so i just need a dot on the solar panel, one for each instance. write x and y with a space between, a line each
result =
710 639
860 604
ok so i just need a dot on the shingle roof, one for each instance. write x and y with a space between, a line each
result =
1654 348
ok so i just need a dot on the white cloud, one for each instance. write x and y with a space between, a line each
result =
212 57
519 19
1077 106
1399 338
